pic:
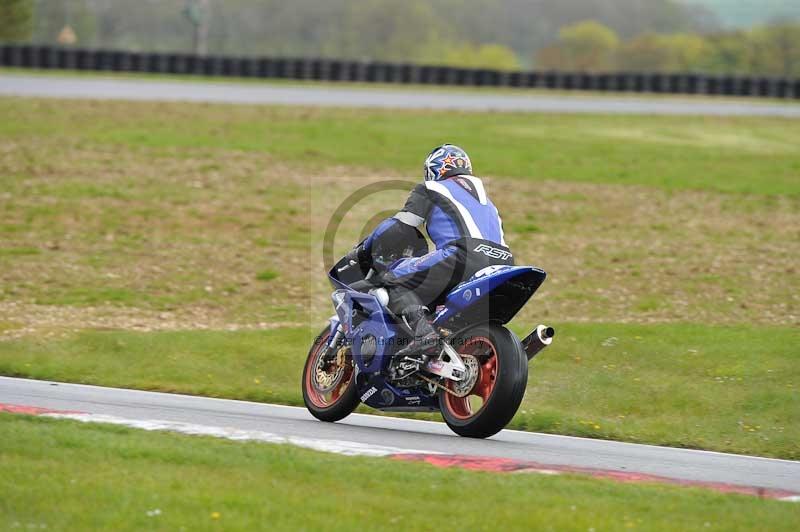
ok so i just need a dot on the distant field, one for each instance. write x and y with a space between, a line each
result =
213 215
756 155
671 244
61 475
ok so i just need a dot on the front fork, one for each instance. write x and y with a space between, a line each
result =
333 340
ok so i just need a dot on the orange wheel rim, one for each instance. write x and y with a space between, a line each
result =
464 407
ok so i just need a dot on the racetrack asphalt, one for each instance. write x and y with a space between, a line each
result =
109 88
406 434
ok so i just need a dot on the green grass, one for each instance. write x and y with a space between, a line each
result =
255 365
92 296
68 476
187 208
18 252
755 155
267 275
679 385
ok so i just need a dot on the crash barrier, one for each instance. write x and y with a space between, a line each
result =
50 57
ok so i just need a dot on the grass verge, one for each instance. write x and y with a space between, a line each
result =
55 471
677 385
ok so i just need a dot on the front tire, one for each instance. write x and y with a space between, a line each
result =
499 388
329 389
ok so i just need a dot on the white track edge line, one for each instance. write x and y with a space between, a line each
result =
374 416
344 447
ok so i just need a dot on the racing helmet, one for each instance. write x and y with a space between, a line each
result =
446 161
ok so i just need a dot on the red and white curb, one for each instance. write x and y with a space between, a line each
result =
507 465
348 448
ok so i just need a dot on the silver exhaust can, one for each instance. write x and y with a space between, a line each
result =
541 337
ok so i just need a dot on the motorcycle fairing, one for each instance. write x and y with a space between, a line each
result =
495 293
377 393
362 316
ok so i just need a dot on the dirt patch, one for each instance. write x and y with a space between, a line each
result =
60 320
638 254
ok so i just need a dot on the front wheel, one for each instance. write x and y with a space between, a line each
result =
329 386
498 375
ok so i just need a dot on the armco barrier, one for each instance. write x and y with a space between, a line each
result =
51 57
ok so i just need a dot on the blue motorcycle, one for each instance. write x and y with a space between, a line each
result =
478 379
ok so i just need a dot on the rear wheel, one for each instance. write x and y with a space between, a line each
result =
489 397
329 387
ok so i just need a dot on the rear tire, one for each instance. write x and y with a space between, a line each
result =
341 397
500 385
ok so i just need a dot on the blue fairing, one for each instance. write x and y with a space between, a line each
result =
485 284
376 324
388 397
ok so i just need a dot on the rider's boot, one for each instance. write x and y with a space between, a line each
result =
426 340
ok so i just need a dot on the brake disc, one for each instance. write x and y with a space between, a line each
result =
325 381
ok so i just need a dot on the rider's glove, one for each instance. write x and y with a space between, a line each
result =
360 255
353 253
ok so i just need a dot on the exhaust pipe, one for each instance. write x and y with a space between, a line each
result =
540 338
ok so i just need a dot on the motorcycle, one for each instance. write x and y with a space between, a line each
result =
478 379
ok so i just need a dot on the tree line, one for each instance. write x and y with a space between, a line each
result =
593 47
588 35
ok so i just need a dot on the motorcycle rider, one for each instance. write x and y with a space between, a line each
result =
460 220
